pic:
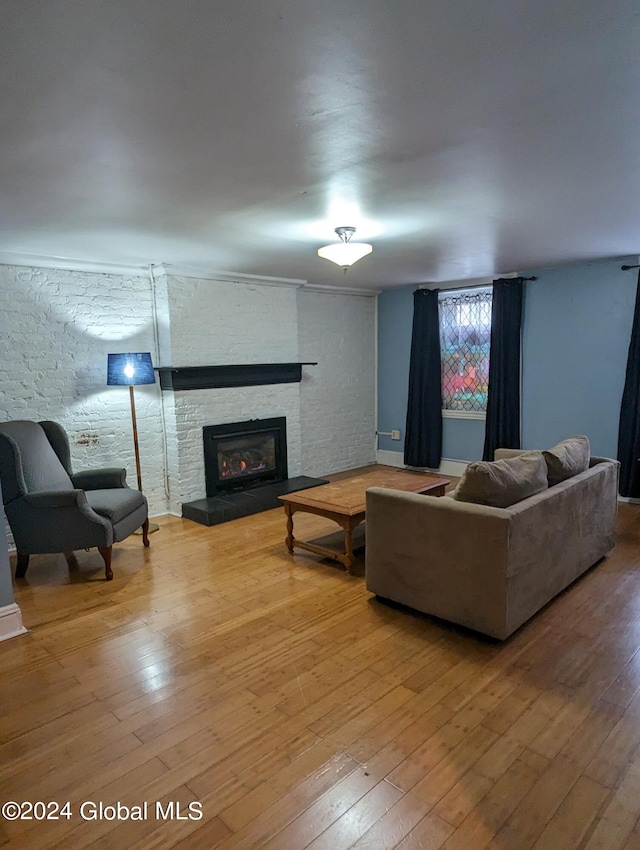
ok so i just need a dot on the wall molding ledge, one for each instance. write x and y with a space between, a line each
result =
37 261
200 272
11 622
74 264
203 272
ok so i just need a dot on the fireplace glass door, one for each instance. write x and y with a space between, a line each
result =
240 455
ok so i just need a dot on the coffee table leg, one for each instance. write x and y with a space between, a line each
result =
289 537
348 548
348 524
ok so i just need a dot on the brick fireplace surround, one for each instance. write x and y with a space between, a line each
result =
246 471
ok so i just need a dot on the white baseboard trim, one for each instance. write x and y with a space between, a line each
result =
11 622
390 458
452 467
447 466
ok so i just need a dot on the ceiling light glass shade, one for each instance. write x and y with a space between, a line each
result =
345 253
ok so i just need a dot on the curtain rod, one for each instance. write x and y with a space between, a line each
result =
470 285
626 268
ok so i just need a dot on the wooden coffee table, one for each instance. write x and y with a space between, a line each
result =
344 502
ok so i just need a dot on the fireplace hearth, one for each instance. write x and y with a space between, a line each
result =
245 471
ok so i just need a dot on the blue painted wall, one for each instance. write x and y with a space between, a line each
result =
576 328
395 318
577 325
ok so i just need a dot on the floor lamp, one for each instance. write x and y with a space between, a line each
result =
130 370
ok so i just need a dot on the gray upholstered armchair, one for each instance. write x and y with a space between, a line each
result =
52 510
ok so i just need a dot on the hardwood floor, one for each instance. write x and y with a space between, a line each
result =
302 713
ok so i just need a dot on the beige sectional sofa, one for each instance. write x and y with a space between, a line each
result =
489 568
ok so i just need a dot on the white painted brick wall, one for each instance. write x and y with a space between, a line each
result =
196 408
56 329
337 396
225 322
221 323
163 319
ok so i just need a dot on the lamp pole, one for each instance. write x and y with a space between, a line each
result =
128 370
135 436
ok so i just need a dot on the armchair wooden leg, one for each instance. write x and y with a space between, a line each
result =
22 564
105 551
145 532
72 561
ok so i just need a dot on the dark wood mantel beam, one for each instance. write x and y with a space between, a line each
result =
211 377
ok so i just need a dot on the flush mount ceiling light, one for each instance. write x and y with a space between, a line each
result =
345 253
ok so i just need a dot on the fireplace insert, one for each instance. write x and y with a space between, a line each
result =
241 455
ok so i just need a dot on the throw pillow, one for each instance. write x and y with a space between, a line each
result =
567 459
500 483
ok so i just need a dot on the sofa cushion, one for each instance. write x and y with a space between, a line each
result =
568 458
115 504
501 483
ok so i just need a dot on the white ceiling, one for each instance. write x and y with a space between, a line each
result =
462 138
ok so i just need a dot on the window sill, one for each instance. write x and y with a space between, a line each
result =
463 414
